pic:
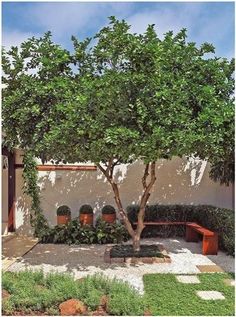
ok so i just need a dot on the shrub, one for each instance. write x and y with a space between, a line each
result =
74 233
63 211
217 219
108 210
86 209
110 232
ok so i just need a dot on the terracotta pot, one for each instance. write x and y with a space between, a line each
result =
86 219
63 220
109 217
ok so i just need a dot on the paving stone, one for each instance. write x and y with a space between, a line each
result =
188 279
229 282
210 295
14 248
210 269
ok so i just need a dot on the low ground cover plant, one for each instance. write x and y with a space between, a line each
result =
75 233
165 296
32 292
121 251
220 220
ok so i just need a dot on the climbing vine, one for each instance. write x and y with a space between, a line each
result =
31 188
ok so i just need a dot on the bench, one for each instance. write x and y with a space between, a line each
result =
209 241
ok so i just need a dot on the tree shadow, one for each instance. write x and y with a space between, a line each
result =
178 182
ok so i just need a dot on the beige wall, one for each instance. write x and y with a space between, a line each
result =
178 182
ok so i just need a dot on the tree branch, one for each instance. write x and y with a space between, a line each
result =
144 179
121 210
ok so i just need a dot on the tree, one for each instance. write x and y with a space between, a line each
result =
127 97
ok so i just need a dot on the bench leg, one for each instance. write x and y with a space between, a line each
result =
191 235
210 245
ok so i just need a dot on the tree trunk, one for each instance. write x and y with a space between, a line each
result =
136 242
135 234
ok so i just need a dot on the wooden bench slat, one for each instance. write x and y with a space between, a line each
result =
201 229
160 223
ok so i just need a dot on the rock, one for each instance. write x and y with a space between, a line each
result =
99 312
5 294
104 301
147 313
72 307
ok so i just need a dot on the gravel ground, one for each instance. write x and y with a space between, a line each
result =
84 260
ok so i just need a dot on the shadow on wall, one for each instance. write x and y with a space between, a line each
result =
22 207
178 181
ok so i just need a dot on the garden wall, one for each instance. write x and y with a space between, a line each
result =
178 182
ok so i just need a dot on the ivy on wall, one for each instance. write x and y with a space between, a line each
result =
31 188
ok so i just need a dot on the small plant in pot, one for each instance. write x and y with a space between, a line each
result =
63 215
86 215
109 214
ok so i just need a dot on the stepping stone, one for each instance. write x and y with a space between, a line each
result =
188 279
210 295
210 268
229 282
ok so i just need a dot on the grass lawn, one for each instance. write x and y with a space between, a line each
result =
165 296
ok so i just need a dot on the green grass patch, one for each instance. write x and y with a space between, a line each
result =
165 296
32 291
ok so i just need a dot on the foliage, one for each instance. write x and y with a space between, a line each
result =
32 291
126 251
108 209
216 219
110 232
167 297
63 211
86 209
30 175
129 96
123 300
74 233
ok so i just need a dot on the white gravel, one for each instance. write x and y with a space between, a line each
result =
84 260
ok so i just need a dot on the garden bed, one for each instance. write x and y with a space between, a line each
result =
30 293
148 254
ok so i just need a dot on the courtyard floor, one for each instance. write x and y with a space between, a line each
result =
186 258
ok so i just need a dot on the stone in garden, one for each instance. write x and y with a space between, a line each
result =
147 313
99 312
188 279
104 302
72 307
229 282
5 294
210 295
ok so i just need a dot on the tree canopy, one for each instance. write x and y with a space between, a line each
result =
126 97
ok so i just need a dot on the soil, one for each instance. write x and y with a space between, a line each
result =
126 251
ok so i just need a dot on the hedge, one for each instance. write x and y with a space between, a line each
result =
217 219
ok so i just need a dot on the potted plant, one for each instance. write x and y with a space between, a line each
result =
63 215
86 215
109 214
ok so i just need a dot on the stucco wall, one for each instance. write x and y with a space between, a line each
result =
178 182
